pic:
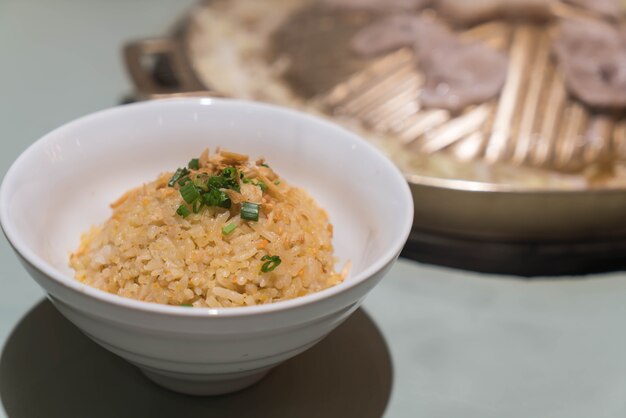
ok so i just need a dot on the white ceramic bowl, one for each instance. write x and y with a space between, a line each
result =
63 184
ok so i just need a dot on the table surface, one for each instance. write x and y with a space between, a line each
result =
460 344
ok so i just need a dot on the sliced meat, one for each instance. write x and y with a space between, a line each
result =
472 11
607 8
386 6
386 35
592 56
457 73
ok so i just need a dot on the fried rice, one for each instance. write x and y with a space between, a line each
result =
159 247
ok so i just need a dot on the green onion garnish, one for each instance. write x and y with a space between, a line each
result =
229 228
229 173
265 165
216 182
216 197
197 205
271 262
277 182
228 179
189 192
194 164
205 190
225 201
188 305
250 211
202 182
183 211
219 182
183 181
212 197
181 172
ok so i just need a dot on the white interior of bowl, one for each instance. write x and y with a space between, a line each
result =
64 183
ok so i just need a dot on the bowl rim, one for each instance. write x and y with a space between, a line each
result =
389 255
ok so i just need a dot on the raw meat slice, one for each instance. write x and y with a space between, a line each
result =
390 6
472 11
592 56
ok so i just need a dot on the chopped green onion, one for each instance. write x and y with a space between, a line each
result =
277 182
201 182
229 173
228 179
250 211
216 182
190 193
219 182
204 190
183 211
271 262
194 164
229 228
197 205
216 197
225 201
265 165
181 172
212 197
188 305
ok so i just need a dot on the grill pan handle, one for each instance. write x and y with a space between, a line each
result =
159 69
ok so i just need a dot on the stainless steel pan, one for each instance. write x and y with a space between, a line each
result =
468 209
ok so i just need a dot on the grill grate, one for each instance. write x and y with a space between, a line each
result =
533 122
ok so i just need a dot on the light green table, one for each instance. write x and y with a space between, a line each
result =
462 345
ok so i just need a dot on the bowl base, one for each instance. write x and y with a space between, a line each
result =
204 385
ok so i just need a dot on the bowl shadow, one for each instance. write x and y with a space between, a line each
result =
49 368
